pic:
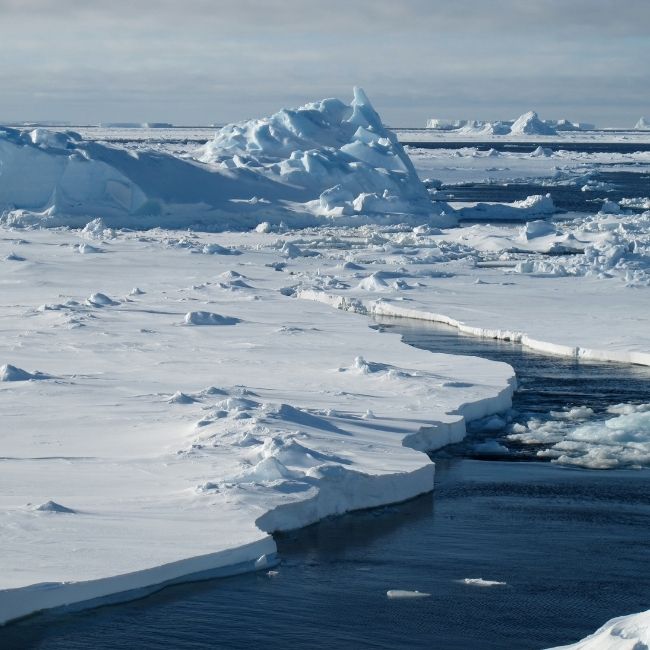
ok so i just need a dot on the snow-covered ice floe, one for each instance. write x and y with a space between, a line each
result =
321 162
171 429
630 632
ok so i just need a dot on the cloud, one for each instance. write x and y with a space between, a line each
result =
207 60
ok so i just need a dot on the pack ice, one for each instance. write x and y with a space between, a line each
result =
324 161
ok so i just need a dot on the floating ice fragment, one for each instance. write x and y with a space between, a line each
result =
490 448
262 561
479 582
403 593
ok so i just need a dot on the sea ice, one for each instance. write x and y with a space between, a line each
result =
630 632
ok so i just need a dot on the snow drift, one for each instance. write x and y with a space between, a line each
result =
323 161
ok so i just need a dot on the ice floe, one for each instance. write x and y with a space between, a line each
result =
630 632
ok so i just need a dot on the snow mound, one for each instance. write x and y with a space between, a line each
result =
11 373
623 633
542 152
53 506
101 300
209 318
181 398
530 124
537 228
374 282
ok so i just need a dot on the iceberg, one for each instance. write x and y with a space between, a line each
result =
343 159
530 124
307 166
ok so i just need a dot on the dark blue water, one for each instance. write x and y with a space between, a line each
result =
573 547
530 146
546 383
568 198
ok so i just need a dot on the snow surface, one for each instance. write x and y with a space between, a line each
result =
623 633
152 451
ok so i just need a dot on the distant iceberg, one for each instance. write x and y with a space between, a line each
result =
643 124
527 124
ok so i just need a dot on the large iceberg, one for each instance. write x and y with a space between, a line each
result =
643 124
341 156
323 161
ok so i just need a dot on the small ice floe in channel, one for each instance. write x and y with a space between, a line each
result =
406 594
479 582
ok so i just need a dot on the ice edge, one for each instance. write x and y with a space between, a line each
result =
359 491
377 308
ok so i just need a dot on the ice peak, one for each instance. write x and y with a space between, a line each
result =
530 124
363 112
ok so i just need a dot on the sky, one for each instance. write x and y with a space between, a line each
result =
216 61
